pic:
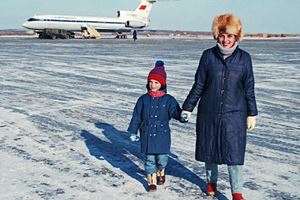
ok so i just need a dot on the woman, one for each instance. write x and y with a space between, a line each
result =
224 83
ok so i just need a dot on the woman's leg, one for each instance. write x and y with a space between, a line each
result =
212 178
236 178
211 172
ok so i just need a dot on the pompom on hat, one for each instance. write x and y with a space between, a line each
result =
158 73
227 23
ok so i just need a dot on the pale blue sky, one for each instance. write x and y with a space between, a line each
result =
258 16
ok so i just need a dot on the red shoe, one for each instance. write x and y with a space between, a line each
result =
237 196
211 189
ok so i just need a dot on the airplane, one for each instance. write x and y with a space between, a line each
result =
63 26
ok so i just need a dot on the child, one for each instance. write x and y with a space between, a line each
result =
151 116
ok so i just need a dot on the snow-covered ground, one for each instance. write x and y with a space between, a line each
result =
66 104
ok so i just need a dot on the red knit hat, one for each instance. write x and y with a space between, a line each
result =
158 73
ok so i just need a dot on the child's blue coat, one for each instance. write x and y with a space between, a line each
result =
151 117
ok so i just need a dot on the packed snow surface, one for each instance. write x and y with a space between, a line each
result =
66 105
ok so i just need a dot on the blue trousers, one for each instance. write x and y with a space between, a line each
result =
155 162
235 176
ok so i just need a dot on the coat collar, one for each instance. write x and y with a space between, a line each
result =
218 54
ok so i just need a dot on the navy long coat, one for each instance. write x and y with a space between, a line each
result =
151 117
226 92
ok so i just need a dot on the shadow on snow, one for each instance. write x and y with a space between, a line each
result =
118 151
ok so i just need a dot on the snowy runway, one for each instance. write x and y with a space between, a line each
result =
66 104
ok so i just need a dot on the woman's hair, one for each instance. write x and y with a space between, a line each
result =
227 23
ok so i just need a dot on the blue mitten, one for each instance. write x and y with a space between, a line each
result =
134 138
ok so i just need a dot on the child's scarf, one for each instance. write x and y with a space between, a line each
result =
158 93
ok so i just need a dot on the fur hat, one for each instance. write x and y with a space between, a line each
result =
227 23
158 73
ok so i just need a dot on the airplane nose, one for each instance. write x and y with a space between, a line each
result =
25 25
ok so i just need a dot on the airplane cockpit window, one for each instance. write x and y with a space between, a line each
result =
35 19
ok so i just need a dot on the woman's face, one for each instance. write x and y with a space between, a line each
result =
154 85
226 40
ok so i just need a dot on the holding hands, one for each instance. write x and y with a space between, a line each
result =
185 116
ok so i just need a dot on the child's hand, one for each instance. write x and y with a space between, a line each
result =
134 138
185 116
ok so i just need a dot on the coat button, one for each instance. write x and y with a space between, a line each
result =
155 116
222 91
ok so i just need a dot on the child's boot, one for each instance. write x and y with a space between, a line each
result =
211 189
151 182
237 196
161 177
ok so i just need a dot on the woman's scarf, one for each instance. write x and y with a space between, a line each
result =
226 52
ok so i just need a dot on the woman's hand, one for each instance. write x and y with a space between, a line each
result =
251 121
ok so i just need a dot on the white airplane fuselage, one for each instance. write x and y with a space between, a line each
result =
125 22
75 23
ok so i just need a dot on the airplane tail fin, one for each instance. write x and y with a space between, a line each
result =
139 17
144 8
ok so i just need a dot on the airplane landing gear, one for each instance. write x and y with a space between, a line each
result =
121 36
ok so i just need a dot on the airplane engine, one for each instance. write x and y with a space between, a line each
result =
126 14
135 24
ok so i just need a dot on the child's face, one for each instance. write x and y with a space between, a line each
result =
154 85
